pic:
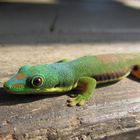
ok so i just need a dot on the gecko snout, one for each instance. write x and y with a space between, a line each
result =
6 86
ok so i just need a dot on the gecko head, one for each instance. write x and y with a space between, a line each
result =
31 79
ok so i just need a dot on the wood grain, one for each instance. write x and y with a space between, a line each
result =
98 27
112 112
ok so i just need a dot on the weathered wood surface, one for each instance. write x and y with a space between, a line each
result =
96 27
112 113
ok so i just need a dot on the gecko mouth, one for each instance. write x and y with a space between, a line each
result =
18 86
6 86
12 89
19 89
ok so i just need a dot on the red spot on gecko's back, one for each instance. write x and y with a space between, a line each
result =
20 76
107 59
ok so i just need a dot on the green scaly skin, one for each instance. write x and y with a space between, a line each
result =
80 75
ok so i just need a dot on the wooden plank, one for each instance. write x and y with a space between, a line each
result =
113 111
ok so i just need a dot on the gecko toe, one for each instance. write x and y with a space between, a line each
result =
79 100
82 102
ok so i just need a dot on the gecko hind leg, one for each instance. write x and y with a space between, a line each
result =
85 87
136 71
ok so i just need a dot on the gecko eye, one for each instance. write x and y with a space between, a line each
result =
37 81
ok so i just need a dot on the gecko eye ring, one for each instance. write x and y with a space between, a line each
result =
37 81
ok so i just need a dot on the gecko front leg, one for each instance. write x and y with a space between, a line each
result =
85 86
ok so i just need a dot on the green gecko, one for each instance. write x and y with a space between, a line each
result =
80 75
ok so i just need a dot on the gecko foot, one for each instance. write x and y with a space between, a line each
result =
79 100
86 86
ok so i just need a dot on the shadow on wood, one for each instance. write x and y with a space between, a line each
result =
13 99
